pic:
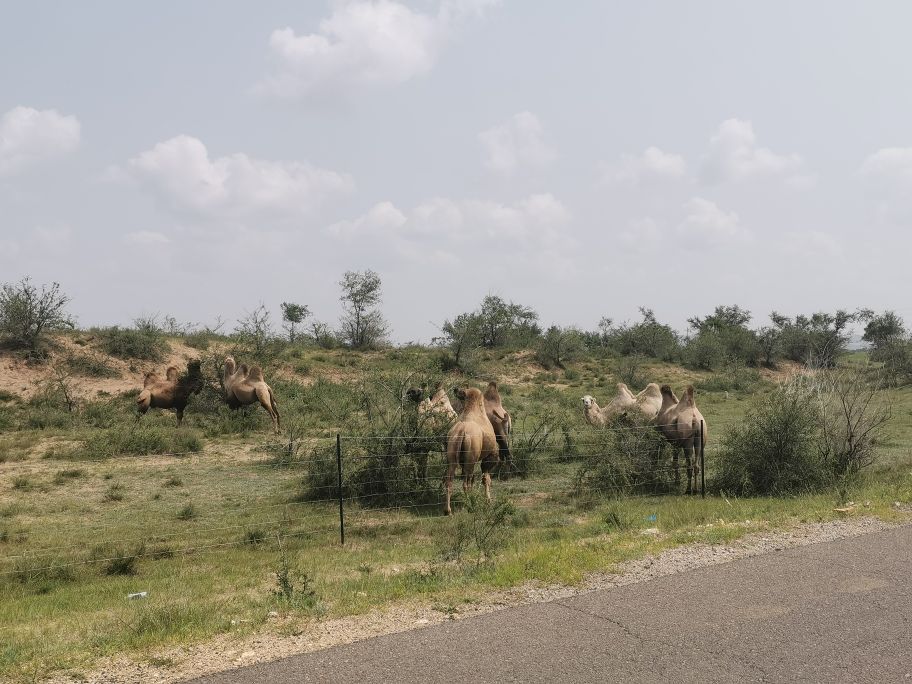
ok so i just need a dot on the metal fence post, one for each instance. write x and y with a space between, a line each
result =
339 485
702 460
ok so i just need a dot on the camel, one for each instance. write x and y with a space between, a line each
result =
500 419
649 401
646 402
245 385
684 427
471 440
436 408
172 391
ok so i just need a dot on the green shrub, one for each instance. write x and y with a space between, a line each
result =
481 530
145 342
811 433
630 458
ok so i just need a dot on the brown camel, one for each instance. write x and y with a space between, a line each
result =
500 419
245 385
646 402
682 424
471 440
172 391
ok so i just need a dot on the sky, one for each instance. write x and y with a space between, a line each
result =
585 159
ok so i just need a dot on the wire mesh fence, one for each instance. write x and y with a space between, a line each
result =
350 479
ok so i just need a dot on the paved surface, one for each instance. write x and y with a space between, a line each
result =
834 612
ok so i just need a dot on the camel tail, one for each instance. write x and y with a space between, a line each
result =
456 450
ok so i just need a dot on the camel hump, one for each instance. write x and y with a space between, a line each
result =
150 379
255 374
171 373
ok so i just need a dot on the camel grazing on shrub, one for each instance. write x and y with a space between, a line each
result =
500 419
680 424
646 402
172 392
471 440
437 408
245 385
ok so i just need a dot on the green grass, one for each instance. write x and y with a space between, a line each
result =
206 518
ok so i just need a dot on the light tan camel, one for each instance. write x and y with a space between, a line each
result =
245 385
172 391
649 401
646 402
682 424
436 408
500 419
470 440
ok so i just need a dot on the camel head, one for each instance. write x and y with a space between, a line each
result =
230 365
588 401
471 398
491 393
415 394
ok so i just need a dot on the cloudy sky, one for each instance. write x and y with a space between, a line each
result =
584 158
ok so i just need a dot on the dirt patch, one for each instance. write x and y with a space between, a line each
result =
227 653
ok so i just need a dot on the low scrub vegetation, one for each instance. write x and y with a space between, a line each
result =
811 433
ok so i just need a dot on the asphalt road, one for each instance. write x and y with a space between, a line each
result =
833 612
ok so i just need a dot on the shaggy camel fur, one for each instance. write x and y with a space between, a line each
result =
680 424
245 385
170 392
500 419
471 440
648 402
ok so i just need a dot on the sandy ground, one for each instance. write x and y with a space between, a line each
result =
226 653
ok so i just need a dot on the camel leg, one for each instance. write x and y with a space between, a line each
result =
263 395
486 478
451 472
674 464
180 415
691 468
468 477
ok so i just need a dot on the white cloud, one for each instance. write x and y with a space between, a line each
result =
363 44
892 164
444 229
708 225
517 142
734 155
653 163
236 186
29 136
